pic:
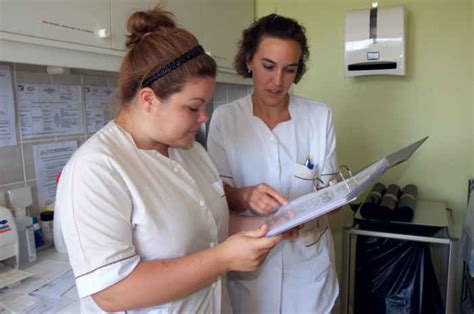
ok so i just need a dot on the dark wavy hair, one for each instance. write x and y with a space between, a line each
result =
276 26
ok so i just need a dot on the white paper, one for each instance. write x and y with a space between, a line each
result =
7 109
43 273
18 303
313 205
47 306
49 160
98 101
49 110
57 287
24 303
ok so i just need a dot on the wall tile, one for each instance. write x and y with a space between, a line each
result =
32 78
220 93
236 91
19 67
95 80
11 167
69 79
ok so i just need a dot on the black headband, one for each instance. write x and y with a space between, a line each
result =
190 54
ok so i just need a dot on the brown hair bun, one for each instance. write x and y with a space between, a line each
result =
144 22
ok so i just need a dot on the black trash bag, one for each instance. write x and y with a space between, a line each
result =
396 277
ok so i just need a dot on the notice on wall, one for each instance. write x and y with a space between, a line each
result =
7 108
50 110
49 160
98 106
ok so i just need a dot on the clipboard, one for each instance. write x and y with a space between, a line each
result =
313 205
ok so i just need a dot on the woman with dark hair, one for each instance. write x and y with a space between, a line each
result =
269 147
141 206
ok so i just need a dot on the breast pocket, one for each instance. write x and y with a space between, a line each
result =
303 180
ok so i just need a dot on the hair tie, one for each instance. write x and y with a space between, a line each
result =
176 63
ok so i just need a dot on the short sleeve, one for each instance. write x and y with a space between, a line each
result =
216 147
96 209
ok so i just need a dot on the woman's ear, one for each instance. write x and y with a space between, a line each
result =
147 99
249 65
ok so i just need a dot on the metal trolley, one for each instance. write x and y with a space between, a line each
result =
427 214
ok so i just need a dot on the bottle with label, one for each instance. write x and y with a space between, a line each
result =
46 218
37 232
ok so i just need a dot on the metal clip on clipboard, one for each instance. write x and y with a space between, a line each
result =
344 174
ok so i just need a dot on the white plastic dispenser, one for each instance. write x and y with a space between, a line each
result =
375 41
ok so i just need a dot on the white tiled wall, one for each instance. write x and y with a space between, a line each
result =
16 162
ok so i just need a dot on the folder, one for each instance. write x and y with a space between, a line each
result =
313 205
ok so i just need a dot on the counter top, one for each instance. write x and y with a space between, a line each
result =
50 255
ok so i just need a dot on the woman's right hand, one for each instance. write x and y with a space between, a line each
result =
262 198
246 250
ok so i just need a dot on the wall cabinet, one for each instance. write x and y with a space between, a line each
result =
91 34
120 12
97 23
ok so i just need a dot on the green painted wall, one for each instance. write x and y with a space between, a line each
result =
376 114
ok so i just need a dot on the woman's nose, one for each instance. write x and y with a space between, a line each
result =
278 78
203 116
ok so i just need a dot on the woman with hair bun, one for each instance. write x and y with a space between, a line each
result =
141 206
271 146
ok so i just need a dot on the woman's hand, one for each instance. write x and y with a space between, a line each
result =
246 250
262 198
292 234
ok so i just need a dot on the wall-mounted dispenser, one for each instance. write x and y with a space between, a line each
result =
375 41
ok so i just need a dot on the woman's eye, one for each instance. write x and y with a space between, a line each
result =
192 109
268 67
291 70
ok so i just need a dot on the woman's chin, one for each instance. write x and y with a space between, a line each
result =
185 144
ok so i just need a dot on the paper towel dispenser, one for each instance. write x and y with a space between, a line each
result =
375 41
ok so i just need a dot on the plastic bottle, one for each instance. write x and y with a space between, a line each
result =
47 226
26 240
37 232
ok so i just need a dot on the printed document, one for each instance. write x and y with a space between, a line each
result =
49 110
98 104
7 109
49 160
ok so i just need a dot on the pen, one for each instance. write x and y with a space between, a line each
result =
309 164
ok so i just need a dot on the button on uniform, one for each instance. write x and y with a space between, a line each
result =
202 203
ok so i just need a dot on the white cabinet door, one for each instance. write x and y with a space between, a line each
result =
224 21
73 21
120 12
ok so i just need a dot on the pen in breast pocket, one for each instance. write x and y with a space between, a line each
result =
309 164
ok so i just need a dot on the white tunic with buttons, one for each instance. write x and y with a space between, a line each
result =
298 276
119 205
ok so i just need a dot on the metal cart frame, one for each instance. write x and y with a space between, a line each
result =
353 230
